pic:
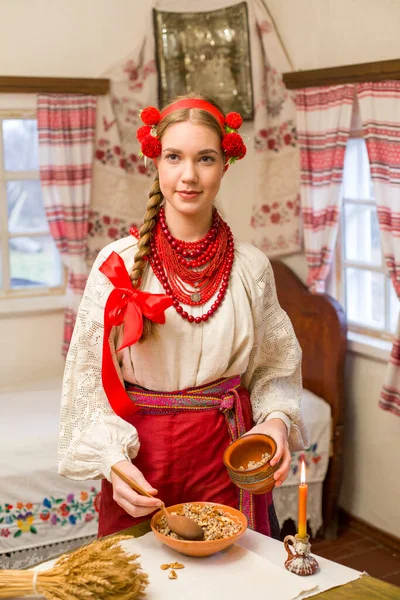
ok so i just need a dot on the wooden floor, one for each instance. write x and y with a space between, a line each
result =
359 549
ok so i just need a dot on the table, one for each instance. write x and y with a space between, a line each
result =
365 588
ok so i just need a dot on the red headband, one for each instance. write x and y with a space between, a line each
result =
195 103
232 143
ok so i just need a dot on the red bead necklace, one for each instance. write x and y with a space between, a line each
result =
192 272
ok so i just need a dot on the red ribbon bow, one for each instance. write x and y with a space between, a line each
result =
125 305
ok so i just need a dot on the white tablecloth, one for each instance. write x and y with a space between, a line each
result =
252 568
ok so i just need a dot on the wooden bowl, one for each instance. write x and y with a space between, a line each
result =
246 448
204 547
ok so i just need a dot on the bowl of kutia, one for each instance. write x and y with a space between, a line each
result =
248 462
215 520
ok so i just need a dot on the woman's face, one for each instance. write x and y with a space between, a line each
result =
190 168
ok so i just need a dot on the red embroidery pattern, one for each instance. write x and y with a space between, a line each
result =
115 156
264 27
277 213
274 92
280 244
133 72
105 229
276 138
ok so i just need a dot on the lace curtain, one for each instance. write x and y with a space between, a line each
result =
66 126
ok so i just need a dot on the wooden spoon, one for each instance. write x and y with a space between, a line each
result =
186 528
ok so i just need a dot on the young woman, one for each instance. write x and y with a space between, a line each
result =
180 345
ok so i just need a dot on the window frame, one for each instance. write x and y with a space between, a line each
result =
341 264
6 291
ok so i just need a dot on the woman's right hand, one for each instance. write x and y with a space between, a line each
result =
132 502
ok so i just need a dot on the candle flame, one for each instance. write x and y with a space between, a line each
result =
303 472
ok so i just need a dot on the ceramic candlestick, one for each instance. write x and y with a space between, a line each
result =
299 559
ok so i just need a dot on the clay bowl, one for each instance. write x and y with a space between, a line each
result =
251 447
204 547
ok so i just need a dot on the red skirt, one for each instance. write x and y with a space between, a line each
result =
181 456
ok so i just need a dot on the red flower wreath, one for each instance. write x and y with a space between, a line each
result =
151 146
233 120
142 132
147 136
150 115
232 143
233 147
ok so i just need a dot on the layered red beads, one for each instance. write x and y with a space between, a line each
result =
193 272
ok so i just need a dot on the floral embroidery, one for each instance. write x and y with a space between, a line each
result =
280 244
310 457
150 68
5 532
108 124
115 157
25 523
89 517
134 76
264 27
277 213
107 227
276 138
54 510
273 92
127 112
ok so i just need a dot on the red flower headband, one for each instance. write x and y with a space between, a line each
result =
232 143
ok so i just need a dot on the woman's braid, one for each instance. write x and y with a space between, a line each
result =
146 232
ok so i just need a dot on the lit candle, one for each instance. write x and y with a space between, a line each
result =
302 515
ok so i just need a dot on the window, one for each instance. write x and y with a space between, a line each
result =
365 289
30 263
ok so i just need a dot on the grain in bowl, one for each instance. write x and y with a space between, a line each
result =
204 547
212 519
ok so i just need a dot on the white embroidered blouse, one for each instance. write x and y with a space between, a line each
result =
250 335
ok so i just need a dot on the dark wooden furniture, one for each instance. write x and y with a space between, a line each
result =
320 325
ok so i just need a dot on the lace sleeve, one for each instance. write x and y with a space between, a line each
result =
92 437
273 375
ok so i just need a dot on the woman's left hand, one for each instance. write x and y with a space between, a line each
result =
277 429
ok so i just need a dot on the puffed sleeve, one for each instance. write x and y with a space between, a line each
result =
273 375
92 437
